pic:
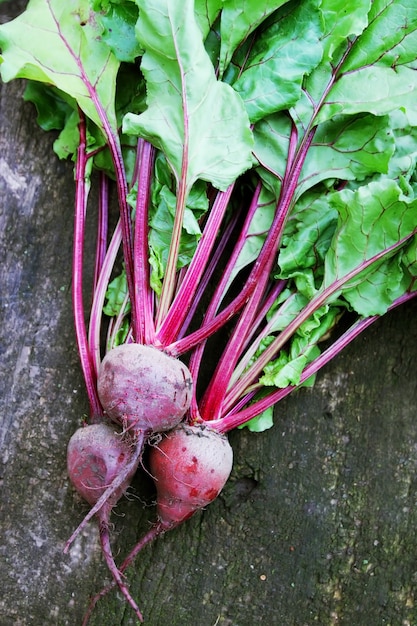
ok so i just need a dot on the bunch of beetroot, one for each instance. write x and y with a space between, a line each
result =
144 391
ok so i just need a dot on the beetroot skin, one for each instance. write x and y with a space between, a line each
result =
96 455
142 388
190 467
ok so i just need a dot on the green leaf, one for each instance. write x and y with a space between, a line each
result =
158 269
381 287
261 422
342 21
199 123
377 73
344 148
57 111
238 21
257 232
271 137
372 219
348 148
389 39
305 242
282 55
52 109
378 90
288 367
287 306
162 213
67 143
206 12
58 43
162 219
116 295
409 261
368 64
121 335
403 163
118 32
65 146
285 371
130 96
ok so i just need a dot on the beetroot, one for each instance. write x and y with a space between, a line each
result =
96 454
144 389
98 458
190 466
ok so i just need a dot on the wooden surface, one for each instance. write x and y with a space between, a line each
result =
318 522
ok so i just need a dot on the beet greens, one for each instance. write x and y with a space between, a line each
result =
264 162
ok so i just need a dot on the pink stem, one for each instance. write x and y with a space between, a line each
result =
197 354
216 392
205 279
99 297
251 376
235 419
268 250
178 311
212 401
251 350
274 292
77 273
144 328
212 322
102 226
113 143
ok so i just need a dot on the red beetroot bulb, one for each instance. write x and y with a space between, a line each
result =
142 388
97 458
190 466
